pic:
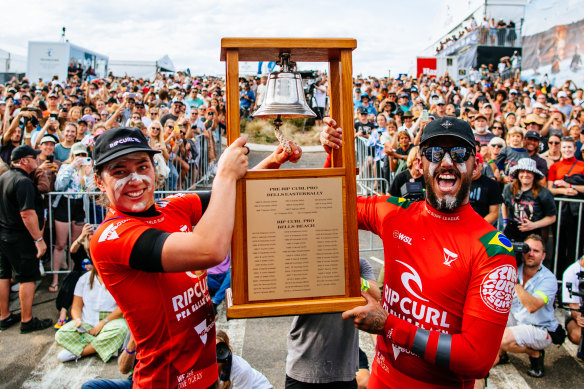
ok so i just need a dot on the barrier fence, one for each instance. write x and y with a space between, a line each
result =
369 183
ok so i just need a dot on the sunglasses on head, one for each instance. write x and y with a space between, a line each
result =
458 154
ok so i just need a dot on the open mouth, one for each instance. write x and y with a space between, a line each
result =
446 182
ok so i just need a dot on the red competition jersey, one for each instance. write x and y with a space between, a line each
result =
170 314
440 270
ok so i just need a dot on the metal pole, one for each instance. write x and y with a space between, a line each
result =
557 237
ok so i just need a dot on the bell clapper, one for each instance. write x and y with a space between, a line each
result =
281 138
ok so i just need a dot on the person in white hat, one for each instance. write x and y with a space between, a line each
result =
528 206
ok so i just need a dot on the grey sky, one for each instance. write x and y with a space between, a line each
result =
389 33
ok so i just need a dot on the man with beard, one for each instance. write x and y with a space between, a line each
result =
449 278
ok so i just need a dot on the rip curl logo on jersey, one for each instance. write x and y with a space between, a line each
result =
497 288
449 256
110 232
404 238
203 329
413 276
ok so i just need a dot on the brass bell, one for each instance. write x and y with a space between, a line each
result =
284 94
284 98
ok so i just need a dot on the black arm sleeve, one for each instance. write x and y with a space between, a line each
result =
205 196
147 252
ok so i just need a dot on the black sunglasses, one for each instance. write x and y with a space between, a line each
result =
497 128
458 154
554 143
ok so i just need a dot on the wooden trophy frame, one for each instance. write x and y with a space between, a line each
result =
338 53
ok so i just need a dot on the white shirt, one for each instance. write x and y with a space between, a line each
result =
95 300
243 376
570 275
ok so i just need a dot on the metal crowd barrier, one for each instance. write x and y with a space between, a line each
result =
370 180
560 203
198 172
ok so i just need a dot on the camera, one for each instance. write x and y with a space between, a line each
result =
413 191
579 293
521 248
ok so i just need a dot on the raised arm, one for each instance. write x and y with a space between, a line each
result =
210 240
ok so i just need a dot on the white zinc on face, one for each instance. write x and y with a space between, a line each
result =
122 182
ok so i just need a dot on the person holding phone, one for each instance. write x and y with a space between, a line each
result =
97 326
73 177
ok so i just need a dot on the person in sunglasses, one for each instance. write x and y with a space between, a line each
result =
450 275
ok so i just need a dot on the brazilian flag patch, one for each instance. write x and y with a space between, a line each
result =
496 243
399 201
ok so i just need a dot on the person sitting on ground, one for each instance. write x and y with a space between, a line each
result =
574 320
79 254
234 371
126 363
532 319
97 325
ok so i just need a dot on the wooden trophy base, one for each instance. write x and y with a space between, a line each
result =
290 307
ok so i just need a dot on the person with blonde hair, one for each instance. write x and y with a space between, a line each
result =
411 174
511 154
68 209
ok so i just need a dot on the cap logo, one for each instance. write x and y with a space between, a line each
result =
129 139
447 124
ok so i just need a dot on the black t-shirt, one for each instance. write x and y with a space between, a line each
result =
400 179
525 206
364 128
541 164
484 192
6 151
18 193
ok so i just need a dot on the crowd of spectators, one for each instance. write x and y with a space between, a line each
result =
529 148
490 32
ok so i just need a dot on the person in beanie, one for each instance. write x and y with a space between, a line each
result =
154 262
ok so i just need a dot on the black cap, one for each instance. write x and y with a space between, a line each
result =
448 126
533 134
118 142
363 110
23 151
